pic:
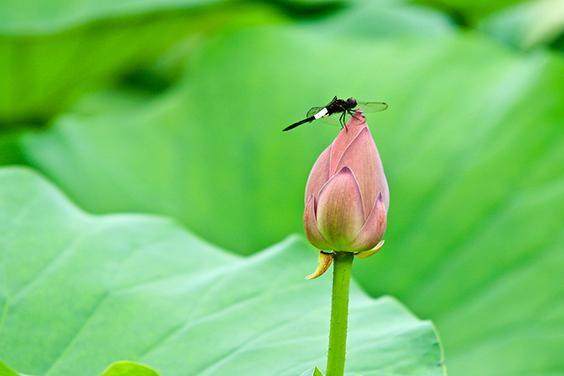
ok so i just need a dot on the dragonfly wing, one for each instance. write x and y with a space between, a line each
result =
370 107
312 111
331 119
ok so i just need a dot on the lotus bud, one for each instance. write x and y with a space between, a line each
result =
347 195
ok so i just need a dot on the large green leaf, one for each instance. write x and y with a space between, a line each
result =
470 11
384 18
54 15
54 50
78 292
471 144
119 368
528 24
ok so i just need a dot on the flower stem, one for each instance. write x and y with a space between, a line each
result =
339 314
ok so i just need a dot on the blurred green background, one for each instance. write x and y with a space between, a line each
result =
175 107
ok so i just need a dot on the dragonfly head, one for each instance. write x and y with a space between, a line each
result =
351 103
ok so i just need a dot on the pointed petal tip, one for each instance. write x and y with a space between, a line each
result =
345 170
358 119
324 261
359 115
373 251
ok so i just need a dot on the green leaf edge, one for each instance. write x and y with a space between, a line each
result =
317 372
7 371
129 368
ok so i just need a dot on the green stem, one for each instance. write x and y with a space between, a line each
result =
342 266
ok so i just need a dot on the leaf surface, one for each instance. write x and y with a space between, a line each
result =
528 25
55 50
126 368
471 145
78 292
470 11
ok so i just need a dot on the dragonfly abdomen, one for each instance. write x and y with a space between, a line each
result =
306 120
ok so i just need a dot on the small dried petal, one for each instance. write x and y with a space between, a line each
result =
323 263
366 254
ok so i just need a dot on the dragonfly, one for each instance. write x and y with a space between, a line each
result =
343 107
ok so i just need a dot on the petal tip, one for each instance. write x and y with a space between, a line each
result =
324 261
376 249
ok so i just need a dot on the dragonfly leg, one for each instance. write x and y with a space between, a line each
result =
342 121
353 114
342 117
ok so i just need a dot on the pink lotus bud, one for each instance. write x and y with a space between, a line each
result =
347 194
